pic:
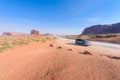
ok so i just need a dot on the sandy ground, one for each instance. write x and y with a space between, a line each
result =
39 61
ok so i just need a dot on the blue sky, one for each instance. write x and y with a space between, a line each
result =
56 16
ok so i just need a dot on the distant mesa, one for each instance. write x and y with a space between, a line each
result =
102 29
6 34
12 34
48 34
34 32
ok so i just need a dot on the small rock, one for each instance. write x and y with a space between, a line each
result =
69 49
51 45
59 47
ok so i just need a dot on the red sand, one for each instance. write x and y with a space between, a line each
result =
39 61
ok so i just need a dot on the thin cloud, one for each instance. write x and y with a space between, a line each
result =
94 19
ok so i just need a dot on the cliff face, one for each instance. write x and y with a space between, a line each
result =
102 29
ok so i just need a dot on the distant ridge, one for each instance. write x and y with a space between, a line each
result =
102 29
12 34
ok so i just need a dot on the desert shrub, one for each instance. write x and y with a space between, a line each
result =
43 40
5 43
54 37
20 42
48 38
35 39
4 46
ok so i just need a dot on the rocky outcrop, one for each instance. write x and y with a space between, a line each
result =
102 29
34 32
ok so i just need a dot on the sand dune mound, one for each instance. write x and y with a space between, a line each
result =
38 61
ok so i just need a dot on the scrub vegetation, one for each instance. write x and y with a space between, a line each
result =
7 42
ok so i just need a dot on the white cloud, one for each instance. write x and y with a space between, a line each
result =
94 19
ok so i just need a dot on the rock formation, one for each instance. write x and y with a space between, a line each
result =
34 32
102 29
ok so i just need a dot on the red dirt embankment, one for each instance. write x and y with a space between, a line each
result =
39 61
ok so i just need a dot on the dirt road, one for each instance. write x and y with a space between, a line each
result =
95 43
40 61
113 49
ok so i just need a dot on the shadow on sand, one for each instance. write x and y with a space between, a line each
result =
72 44
113 57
